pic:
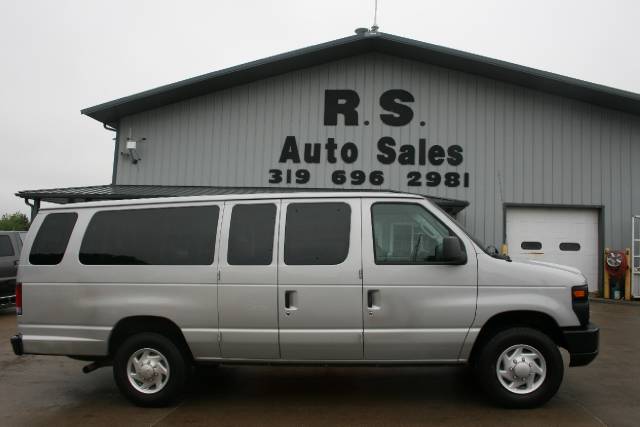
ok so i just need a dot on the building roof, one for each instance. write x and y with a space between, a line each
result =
123 192
110 112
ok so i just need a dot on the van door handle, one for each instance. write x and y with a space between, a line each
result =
290 300
373 299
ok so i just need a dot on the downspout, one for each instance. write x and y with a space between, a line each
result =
115 152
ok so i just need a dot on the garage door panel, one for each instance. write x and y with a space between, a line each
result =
553 227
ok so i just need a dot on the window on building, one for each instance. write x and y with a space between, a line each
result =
317 233
52 239
405 233
161 236
531 246
6 248
251 234
569 246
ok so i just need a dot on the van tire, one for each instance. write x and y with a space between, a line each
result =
161 351
530 342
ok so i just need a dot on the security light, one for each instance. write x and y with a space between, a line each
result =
132 150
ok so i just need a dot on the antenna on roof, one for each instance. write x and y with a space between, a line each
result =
375 27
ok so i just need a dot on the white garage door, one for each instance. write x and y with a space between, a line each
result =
558 235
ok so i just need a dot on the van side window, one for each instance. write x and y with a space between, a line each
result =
52 239
317 233
6 248
160 236
405 233
251 234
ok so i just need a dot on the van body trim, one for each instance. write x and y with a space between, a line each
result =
360 362
27 338
425 330
214 330
320 331
86 328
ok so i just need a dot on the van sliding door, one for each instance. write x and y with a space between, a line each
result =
319 284
247 290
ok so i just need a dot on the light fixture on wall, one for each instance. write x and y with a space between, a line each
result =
132 149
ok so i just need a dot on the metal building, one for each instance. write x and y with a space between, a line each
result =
544 162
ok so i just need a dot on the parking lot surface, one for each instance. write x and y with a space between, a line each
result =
52 391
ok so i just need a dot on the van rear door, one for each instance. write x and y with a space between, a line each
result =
319 284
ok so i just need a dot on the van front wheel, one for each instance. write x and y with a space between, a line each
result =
520 368
149 369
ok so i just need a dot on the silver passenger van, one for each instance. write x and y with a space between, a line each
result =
153 287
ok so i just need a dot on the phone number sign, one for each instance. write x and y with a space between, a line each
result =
396 104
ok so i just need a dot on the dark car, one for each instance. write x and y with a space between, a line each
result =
10 247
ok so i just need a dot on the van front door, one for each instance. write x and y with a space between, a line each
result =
416 306
319 280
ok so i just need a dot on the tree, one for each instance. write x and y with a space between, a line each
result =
16 221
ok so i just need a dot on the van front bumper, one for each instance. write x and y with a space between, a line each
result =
16 343
582 344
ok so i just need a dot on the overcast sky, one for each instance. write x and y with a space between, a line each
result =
61 56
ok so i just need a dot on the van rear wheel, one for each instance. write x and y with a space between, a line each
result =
149 369
520 368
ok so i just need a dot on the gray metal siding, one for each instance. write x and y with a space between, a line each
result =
520 145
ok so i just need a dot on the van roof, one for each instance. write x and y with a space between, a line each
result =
239 196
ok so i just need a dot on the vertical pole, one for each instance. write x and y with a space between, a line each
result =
35 208
635 254
627 276
116 157
374 28
607 290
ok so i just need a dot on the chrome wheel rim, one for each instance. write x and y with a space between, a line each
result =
148 370
521 369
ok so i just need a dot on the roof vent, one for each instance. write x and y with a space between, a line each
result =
362 31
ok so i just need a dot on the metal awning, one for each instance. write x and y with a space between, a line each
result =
122 192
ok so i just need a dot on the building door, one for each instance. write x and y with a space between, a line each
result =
567 236
416 306
319 281
248 286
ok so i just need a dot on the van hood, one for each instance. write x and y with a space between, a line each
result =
555 266
498 272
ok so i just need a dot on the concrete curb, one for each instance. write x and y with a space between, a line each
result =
614 301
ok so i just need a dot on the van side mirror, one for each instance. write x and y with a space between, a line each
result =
452 251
